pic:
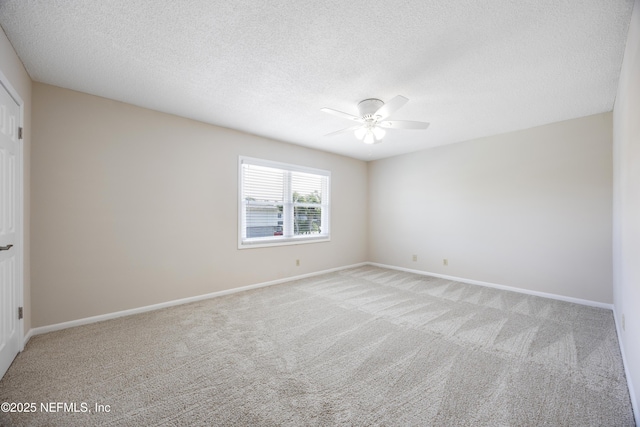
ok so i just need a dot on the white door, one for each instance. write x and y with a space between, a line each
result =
9 169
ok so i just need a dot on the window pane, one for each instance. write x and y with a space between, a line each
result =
307 198
263 220
263 198
306 188
264 184
307 220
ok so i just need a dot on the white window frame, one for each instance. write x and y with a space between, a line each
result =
246 243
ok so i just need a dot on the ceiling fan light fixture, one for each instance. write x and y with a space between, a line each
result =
369 137
370 134
360 133
379 133
373 135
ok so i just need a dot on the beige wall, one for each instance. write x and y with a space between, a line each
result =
528 209
13 69
132 207
626 247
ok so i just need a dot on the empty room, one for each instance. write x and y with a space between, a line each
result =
303 213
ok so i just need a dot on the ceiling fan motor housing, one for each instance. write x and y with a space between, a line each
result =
368 107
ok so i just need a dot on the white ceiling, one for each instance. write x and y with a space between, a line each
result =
471 68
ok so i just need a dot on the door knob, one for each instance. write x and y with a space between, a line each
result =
5 248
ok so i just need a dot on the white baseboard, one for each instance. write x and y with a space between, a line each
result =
632 393
87 320
496 286
27 337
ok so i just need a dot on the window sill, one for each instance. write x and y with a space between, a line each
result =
263 243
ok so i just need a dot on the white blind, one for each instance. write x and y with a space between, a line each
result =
282 203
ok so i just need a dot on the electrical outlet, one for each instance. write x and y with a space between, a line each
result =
415 258
297 263
445 262
623 322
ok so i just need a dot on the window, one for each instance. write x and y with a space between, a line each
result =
282 204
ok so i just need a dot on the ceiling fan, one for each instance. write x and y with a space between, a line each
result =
372 123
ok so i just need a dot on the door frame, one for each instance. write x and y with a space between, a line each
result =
6 84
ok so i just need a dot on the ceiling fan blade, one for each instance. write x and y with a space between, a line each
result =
341 114
403 124
349 129
388 108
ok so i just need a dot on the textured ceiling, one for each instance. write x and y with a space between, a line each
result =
470 68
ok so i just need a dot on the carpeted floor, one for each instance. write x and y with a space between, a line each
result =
364 346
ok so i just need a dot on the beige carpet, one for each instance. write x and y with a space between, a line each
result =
365 346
